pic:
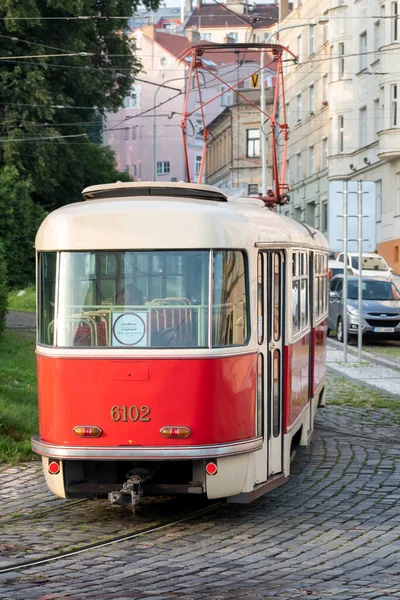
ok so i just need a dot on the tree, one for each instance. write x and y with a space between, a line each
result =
20 218
59 96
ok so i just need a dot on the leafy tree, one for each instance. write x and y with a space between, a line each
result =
54 96
20 218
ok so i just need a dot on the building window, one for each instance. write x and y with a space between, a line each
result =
325 30
252 143
310 213
287 111
298 49
311 99
363 126
324 154
299 167
233 37
134 171
252 188
363 51
311 48
325 89
163 167
288 179
393 111
198 164
199 128
395 30
377 38
378 198
341 60
226 98
324 215
340 133
133 99
311 161
206 37
377 114
298 108
134 133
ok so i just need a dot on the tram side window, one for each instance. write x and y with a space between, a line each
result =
321 285
230 314
300 307
47 286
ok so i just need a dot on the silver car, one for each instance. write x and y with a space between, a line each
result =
380 308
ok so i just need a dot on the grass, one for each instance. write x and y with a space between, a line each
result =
25 302
18 397
344 392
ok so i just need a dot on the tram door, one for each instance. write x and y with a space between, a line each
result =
273 343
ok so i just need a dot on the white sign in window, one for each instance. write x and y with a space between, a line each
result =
130 329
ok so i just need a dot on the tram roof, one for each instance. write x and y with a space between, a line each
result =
148 215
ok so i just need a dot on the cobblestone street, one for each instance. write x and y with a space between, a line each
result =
333 531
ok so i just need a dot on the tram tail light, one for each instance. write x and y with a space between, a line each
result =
211 468
87 431
175 432
54 467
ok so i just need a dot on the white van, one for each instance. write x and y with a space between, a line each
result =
373 265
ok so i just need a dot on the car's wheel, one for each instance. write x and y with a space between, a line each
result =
339 330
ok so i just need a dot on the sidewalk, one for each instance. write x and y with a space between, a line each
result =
380 373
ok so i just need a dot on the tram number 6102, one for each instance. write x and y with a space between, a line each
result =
130 413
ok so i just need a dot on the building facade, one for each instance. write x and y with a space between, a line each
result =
342 99
233 160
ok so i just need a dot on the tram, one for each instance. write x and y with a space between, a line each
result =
181 343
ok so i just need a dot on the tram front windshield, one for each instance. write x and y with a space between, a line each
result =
142 299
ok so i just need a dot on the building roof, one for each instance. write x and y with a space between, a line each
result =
174 44
146 17
214 15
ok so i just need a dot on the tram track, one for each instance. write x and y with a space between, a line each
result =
41 513
108 542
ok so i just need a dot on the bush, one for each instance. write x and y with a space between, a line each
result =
3 290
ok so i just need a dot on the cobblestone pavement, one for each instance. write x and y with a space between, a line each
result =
332 532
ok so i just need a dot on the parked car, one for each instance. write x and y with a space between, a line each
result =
380 307
335 267
373 265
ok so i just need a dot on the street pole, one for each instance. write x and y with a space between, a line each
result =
263 134
360 241
345 236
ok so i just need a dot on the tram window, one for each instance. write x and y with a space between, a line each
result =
47 285
230 318
294 264
133 299
277 296
304 303
260 298
296 306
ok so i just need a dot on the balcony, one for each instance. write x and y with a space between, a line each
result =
389 144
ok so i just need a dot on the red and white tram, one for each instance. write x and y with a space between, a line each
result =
181 342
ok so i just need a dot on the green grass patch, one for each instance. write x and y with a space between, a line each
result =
18 397
25 302
390 352
343 392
